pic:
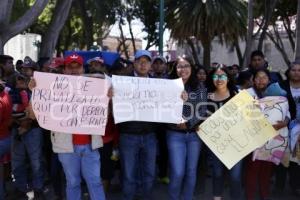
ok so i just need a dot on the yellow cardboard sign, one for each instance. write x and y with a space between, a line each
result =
236 129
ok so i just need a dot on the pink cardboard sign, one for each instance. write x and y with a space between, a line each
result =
70 104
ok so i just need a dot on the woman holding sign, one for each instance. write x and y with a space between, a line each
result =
222 90
184 145
259 171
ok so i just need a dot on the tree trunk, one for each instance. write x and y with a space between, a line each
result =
238 52
123 39
58 47
249 35
297 50
131 34
194 51
67 41
206 43
5 11
269 8
290 33
87 23
7 30
58 20
279 44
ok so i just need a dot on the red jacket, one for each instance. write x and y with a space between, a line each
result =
5 114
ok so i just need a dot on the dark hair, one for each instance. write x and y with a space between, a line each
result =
205 71
201 68
243 77
257 53
19 62
230 84
266 71
42 61
192 83
5 58
286 73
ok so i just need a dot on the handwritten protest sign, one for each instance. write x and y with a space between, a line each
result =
275 108
70 104
147 99
236 129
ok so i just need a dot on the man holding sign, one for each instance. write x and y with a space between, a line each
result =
138 142
77 151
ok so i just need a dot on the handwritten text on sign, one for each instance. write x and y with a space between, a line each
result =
236 129
147 99
70 104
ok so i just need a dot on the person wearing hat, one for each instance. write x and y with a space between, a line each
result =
159 70
78 153
138 143
27 139
5 139
159 67
56 65
96 66
28 67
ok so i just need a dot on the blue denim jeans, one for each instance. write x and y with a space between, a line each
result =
86 162
137 154
235 174
4 148
184 151
28 145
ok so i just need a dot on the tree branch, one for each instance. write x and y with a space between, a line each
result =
58 20
279 46
25 21
287 27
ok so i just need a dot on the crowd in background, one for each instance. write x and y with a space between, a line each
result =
33 158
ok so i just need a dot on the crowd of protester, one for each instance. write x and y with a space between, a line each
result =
33 158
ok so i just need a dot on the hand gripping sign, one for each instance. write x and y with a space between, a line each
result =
70 104
236 129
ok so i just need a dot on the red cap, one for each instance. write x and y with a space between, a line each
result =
74 58
56 62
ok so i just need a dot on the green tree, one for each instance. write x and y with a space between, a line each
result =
205 20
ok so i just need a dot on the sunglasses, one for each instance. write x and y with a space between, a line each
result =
222 77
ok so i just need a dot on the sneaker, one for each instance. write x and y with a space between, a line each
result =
164 180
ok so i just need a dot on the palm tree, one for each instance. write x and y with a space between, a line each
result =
206 19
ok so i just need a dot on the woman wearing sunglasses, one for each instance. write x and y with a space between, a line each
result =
221 91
